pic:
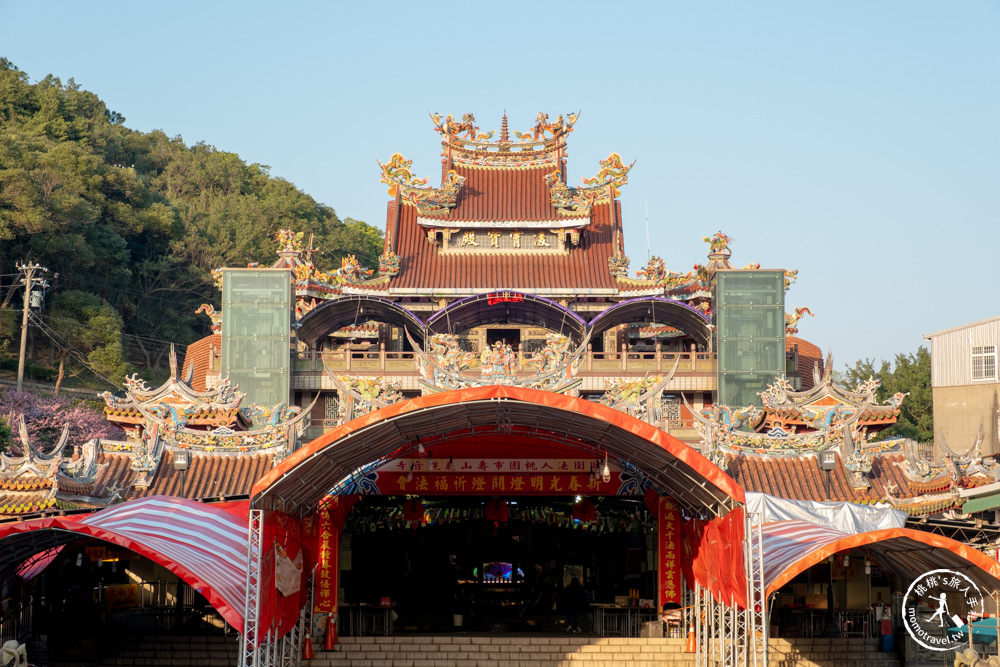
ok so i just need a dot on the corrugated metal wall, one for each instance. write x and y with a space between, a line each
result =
951 352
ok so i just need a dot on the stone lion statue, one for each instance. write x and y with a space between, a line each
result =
969 658
13 654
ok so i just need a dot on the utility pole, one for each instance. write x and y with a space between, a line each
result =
29 270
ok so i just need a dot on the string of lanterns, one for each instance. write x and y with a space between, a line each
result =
414 514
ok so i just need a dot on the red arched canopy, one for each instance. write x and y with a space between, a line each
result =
791 547
302 479
204 545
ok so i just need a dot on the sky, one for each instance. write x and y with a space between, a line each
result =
855 141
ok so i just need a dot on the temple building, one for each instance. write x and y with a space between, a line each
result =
448 441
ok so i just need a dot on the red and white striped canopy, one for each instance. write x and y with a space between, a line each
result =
204 545
791 547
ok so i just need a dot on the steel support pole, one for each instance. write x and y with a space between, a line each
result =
251 649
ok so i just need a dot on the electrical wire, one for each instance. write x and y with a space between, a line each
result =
66 347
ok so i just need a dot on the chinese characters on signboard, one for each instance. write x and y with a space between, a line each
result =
326 575
669 525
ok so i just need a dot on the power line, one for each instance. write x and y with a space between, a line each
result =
62 345
80 325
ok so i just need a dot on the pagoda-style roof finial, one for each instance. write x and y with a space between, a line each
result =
504 130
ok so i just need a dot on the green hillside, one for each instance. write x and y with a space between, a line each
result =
133 223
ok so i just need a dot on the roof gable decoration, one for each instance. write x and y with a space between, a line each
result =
33 461
360 395
949 474
177 395
831 414
600 189
694 286
544 144
31 482
176 416
413 191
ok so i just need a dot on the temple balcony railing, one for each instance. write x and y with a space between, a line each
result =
379 361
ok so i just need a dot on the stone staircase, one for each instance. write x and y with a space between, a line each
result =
818 652
577 651
214 651
495 651
504 651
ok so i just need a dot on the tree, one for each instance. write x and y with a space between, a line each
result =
89 336
140 220
6 437
46 416
911 373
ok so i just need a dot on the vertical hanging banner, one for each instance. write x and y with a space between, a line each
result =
668 522
328 543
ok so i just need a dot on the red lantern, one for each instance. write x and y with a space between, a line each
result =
584 511
652 501
413 510
497 511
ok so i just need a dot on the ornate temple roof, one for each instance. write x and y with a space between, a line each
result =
34 482
222 462
826 405
504 216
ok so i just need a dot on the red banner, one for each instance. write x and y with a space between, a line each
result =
669 532
480 484
328 542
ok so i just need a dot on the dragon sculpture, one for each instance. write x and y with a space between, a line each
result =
445 350
289 241
654 271
350 271
388 264
542 125
792 320
215 317
554 354
612 176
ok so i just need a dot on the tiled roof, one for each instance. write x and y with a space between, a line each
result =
200 355
793 477
210 475
800 478
19 504
114 474
25 482
888 478
502 195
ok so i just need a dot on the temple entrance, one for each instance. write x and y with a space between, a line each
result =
463 568
458 461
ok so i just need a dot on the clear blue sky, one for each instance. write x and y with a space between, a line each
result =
856 141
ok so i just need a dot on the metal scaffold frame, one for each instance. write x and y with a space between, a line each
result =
251 649
725 635
756 611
